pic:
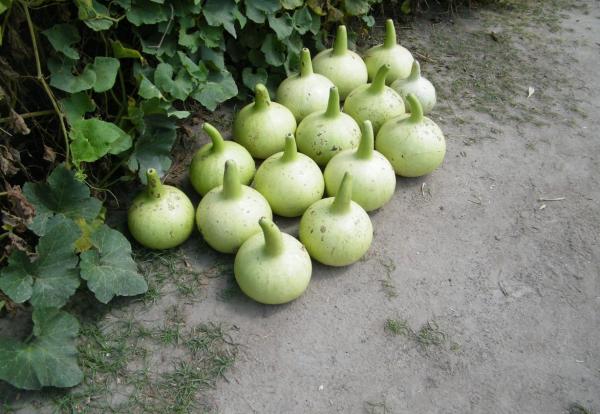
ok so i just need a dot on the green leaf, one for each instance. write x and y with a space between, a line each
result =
62 194
405 8
219 88
302 20
250 78
109 268
256 10
282 26
274 50
220 13
62 77
91 139
51 279
106 69
291 4
357 7
49 360
369 20
197 71
148 90
76 105
62 37
179 88
143 12
212 36
94 14
122 52
5 5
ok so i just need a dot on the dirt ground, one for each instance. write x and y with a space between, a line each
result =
481 291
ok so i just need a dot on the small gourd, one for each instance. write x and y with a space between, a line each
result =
375 101
398 57
161 216
418 86
323 134
208 164
413 144
343 67
336 231
261 126
228 215
305 92
374 180
290 181
272 267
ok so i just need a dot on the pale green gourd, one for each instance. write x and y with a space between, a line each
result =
343 67
228 215
208 164
373 177
418 86
413 144
323 134
398 57
272 267
261 126
336 231
290 181
161 216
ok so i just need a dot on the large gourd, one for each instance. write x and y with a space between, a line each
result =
418 86
413 143
228 215
343 67
305 92
323 134
398 57
336 231
272 267
161 216
290 181
374 180
208 164
261 126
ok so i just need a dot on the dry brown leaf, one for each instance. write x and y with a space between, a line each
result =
49 154
20 206
17 123
9 160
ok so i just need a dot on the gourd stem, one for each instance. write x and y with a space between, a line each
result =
273 237
232 187
261 97
217 139
340 44
378 84
365 147
390 34
341 202
415 71
154 184
416 110
306 68
290 152
333 106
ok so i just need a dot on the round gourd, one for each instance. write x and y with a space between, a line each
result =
414 144
323 134
418 86
208 164
374 180
336 231
375 101
162 216
290 181
305 92
399 58
341 66
272 267
261 127
228 215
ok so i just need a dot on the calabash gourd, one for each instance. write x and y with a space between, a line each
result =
418 86
398 57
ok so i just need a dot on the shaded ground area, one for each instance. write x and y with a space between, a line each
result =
480 292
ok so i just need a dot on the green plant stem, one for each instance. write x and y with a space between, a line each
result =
42 81
29 115
3 193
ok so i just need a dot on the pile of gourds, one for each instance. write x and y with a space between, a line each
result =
360 149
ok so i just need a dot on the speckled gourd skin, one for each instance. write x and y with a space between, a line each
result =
272 267
343 67
290 181
323 134
413 144
336 231
228 215
373 177
398 57
374 102
418 86
305 92
160 217
261 127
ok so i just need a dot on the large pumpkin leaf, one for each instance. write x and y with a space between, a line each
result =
61 194
50 359
220 13
61 76
51 279
94 14
219 88
62 37
76 105
274 50
282 25
93 138
106 69
178 88
109 268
